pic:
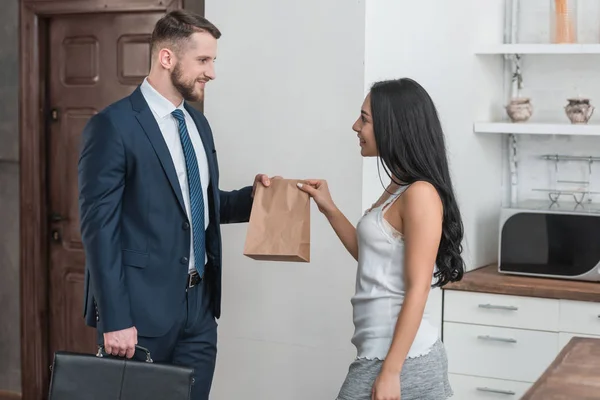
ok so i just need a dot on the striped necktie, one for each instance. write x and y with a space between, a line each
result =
195 189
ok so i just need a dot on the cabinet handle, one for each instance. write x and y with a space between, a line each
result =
500 391
496 339
495 307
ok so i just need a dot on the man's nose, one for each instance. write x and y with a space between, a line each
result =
210 73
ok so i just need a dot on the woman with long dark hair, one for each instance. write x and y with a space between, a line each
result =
407 243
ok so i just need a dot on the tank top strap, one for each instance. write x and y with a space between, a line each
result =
393 197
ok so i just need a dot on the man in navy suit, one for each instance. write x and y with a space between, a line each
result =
151 209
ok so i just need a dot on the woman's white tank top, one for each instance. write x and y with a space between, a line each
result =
380 288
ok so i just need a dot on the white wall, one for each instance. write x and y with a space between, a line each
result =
289 86
432 42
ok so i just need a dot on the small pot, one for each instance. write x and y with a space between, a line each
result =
579 110
519 109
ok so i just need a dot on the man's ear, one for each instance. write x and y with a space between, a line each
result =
166 58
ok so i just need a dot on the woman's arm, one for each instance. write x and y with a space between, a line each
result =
343 228
421 213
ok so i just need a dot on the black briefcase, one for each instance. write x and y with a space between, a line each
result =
102 377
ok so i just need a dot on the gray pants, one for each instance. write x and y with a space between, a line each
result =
422 378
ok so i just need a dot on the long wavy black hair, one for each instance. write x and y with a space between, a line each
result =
410 143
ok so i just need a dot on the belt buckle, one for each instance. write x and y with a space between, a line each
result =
191 280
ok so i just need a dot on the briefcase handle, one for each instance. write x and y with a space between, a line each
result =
137 347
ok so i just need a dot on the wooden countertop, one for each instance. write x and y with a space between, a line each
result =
489 280
574 374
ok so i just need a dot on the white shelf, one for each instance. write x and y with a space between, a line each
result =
539 49
531 128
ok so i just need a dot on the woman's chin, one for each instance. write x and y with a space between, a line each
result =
366 153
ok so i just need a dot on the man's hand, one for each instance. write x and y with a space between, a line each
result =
264 180
121 343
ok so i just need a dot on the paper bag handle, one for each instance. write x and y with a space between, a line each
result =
137 347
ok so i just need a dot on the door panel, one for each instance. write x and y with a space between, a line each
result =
94 60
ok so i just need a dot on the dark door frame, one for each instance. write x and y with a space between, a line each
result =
35 357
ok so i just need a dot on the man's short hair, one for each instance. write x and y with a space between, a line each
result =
177 26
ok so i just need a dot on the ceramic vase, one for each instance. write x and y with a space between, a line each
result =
579 110
519 109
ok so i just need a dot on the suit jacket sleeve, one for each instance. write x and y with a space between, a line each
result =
101 175
236 205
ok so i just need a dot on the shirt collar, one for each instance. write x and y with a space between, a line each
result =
157 102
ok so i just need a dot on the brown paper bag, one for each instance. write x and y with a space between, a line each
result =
279 228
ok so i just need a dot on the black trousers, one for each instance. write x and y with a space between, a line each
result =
191 342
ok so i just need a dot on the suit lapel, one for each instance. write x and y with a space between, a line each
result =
148 123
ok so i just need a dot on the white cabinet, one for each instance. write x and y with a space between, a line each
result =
564 337
498 345
501 310
580 317
503 353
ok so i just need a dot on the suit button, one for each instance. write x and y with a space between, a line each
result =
184 260
185 226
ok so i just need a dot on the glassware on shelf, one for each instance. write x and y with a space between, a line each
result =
563 27
580 189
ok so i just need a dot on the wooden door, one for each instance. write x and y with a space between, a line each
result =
94 60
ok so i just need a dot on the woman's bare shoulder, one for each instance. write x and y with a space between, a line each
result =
421 196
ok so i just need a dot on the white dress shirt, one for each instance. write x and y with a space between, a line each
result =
162 108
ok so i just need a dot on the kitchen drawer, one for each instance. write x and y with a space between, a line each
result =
475 388
565 337
580 317
501 310
502 353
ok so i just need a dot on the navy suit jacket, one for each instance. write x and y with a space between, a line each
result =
134 227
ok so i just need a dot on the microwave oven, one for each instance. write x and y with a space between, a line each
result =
554 242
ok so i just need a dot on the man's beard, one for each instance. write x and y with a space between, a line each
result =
186 89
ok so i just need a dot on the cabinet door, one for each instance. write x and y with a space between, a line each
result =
580 317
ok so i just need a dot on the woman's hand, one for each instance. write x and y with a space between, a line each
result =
386 386
319 191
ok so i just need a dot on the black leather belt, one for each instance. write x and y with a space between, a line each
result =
192 280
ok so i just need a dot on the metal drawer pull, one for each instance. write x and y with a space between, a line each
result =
494 307
496 339
490 390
